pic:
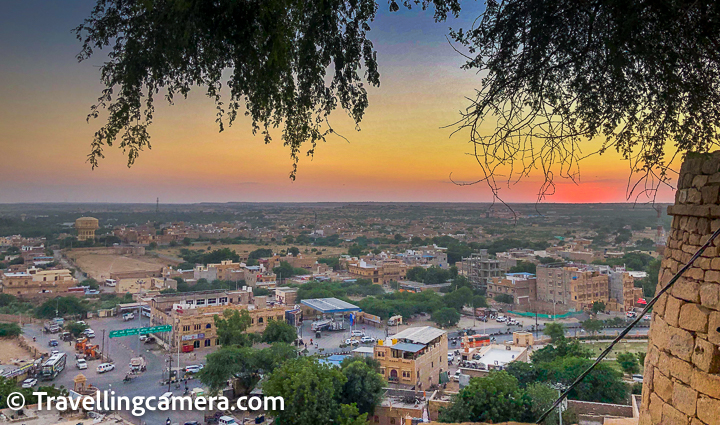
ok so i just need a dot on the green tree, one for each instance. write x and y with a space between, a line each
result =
504 298
592 325
458 299
446 317
364 385
628 362
495 398
355 251
294 251
542 397
75 328
279 331
598 307
310 391
9 329
66 306
556 331
231 327
523 267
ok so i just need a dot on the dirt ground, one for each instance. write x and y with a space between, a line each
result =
325 251
99 266
10 350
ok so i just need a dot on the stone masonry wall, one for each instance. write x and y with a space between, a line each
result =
682 366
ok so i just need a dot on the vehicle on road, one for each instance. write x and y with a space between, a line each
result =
456 376
451 357
53 366
105 367
226 420
395 320
128 316
59 320
66 336
81 322
352 342
637 378
367 339
192 423
29 383
89 333
501 319
53 352
357 333
52 327
168 395
81 364
53 343
194 368
138 364
110 282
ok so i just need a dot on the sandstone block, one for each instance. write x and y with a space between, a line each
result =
661 302
705 383
684 399
681 344
695 272
714 327
707 410
694 196
700 181
687 289
709 195
672 310
663 386
710 166
671 415
710 295
693 318
712 276
656 407
706 356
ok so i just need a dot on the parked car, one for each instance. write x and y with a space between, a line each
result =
89 333
194 368
451 357
352 342
501 319
366 339
29 383
81 322
81 364
456 376
128 316
53 352
357 333
53 343
105 367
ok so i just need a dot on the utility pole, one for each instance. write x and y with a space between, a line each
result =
169 370
102 350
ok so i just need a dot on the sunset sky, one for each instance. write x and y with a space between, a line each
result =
402 152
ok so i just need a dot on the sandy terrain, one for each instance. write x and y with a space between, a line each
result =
10 350
99 266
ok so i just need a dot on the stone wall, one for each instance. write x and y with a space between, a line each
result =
682 366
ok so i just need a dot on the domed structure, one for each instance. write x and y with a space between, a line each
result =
86 227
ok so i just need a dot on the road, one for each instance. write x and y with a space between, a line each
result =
121 350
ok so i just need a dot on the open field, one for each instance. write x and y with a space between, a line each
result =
99 266
244 249
621 347
10 350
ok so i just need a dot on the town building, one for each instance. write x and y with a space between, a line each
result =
37 283
622 289
480 269
86 227
286 295
380 272
521 286
574 286
192 315
414 357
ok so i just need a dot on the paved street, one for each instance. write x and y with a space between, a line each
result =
121 350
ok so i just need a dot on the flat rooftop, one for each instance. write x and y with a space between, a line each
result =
498 356
330 305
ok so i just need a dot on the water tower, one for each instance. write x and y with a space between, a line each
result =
86 227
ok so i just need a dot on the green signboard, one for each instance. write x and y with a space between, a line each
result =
140 331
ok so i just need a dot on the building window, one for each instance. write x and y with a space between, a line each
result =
223 300
207 342
260 320
186 328
217 341
190 302
212 301
197 327
208 326
200 302
196 344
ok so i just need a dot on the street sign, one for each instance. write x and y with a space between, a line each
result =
140 331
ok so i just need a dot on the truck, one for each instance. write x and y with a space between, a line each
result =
53 366
137 364
52 327
395 320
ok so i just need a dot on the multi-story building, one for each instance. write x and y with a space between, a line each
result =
380 272
192 315
575 286
414 357
521 286
37 283
480 269
622 289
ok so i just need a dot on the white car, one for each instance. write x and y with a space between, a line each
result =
89 333
194 368
501 319
357 333
105 367
451 357
366 339
29 383
81 364
456 376
81 322
53 352
352 342
637 378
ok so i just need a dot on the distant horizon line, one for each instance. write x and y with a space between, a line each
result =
335 202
